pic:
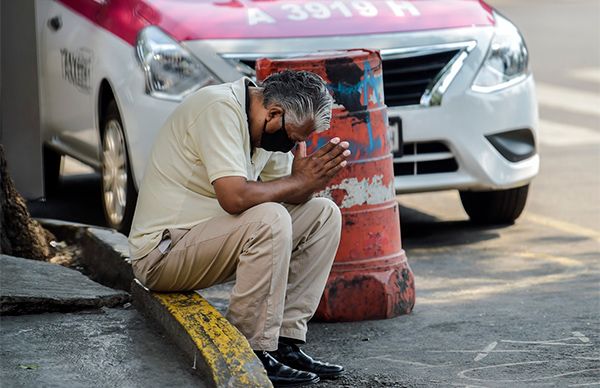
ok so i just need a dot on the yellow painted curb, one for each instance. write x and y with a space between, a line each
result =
190 319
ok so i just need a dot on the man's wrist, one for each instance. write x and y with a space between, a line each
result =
299 190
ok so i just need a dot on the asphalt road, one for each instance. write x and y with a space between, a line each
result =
496 307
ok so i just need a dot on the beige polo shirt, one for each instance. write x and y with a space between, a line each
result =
206 138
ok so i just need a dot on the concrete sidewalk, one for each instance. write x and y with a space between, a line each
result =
73 332
30 286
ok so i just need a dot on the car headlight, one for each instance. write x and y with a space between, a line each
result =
171 71
507 60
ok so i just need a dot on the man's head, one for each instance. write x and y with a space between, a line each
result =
294 104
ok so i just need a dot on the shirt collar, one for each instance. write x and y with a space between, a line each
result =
240 88
239 91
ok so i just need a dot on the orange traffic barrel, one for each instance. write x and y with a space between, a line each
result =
370 278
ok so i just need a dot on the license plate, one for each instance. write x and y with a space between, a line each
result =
395 133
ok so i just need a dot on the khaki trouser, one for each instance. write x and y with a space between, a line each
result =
280 257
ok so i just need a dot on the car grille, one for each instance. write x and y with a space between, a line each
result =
407 78
249 62
424 158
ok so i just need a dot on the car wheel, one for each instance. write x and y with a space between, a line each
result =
52 162
118 191
495 207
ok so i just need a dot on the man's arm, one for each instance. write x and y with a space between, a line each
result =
309 174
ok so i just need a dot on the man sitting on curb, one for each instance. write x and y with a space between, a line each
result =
222 198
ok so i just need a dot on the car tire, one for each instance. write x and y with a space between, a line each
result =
52 164
495 207
119 195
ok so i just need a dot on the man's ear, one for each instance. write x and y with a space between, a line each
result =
274 112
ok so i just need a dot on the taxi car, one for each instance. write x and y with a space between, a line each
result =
457 84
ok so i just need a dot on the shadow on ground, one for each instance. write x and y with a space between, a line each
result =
78 199
422 230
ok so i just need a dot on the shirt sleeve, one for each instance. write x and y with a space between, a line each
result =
217 135
279 165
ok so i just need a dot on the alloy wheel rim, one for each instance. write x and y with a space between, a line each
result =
114 172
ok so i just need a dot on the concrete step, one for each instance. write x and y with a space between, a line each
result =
30 286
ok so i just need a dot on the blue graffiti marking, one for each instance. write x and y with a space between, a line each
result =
370 82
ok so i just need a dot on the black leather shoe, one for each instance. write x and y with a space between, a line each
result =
282 375
292 356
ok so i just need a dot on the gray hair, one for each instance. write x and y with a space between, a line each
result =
302 94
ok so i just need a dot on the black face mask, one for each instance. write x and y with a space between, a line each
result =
277 141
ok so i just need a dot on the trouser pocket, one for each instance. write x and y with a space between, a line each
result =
147 269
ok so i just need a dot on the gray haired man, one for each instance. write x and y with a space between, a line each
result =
224 198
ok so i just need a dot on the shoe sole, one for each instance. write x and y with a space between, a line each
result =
331 376
311 382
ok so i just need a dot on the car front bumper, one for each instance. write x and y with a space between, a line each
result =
461 124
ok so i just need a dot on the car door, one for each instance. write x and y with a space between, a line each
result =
67 58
